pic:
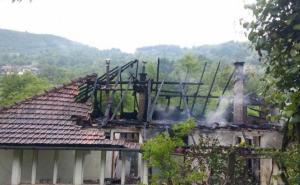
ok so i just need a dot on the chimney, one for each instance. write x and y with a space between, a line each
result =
239 107
142 94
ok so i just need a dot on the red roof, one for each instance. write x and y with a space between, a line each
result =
54 118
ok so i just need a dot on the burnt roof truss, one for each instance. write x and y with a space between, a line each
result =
145 100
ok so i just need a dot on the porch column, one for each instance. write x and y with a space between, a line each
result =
102 167
123 168
16 167
140 157
55 166
109 158
78 168
34 166
145 172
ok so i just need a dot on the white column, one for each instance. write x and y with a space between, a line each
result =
55 167
140 157
16 167
78 168
145 173
123 168
34 166
109 158
102 167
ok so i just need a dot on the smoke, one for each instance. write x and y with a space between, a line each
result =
173 113
218 117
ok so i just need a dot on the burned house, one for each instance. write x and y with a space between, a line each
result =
83 133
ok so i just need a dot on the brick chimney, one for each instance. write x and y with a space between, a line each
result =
143 98
239 107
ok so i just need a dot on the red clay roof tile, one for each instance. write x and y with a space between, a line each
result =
51 119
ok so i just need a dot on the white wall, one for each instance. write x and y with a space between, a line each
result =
92 159
92 165
5 166
26 166
226 137
268 139
45 166
66 166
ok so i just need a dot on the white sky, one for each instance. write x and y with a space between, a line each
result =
128 24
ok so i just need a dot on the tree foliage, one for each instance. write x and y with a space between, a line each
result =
18 87
159 152
275 33
203 163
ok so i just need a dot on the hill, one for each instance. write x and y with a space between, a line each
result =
59 58
229 52
23 48
24 42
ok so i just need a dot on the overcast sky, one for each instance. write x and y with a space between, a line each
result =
129 24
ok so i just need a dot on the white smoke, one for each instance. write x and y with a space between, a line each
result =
218 117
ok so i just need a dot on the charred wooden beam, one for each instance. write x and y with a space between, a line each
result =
136 76
108 97
185 101
168 103
154 82
189 96
198 87
157 74
225 88
96 110
183 86
114 72
135 103
110 100
154 102
149 99
137 69
100 102
120 103
121 91
103 77
210 89
227 83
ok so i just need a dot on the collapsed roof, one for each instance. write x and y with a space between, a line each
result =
78 114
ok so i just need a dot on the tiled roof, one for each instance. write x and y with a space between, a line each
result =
54 118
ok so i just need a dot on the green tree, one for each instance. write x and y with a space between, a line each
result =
15 87
203 163
275 33
174 169
188 65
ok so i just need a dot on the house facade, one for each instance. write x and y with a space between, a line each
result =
80 133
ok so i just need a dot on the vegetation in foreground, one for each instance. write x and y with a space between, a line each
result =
275 34
208 163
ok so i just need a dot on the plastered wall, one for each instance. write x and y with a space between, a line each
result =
45 166
268 139
5 166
